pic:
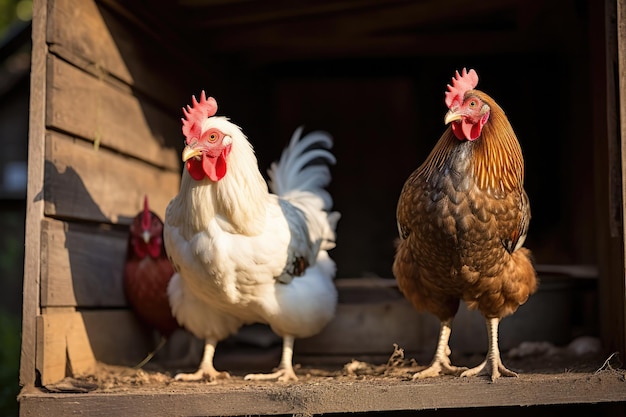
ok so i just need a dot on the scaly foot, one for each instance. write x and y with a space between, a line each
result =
201 374
492 365
495 370
281 375
441 362
439 367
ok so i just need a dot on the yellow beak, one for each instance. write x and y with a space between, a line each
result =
189 152
451 116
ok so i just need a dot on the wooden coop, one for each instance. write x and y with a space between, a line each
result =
109 79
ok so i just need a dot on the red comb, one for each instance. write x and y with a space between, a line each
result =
145 219
196 113
461 83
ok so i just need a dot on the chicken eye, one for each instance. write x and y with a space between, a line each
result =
472 103
212 137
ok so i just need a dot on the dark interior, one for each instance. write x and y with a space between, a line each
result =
374 74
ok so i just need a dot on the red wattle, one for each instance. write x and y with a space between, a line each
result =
194 167
458 132
471 131
214 167
154 247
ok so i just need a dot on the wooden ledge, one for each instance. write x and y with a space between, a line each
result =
147 394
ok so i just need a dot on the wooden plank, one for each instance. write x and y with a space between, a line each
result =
79 352
91 37
79 27
62 345
82 265
357 16
86 183
337 30
51 353
116 337
70 342
34 200
608 176
327 395
620 284
85 106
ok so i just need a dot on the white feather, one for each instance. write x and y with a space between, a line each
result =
234 245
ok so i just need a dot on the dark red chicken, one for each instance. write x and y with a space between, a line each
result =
462 218
147 273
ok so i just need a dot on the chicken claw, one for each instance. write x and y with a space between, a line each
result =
441 362
281 375
206 369
492 365
439 367
285 372
209 374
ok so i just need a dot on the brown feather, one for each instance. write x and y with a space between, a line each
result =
460 216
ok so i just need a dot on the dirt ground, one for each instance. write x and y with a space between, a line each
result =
532 360
552 381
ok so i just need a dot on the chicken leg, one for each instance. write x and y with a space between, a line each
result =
285 371
492 365
206 369
441 362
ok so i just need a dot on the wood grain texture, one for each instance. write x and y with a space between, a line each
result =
70 342
63 345
86 183
329 396
620 285
34 200
95 38
607 175
82 265
126 51
116 337
86 106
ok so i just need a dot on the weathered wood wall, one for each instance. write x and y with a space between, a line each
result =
105 131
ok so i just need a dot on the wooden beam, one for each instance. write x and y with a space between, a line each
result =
63 347
34 198
355 15
82 265
608 175
91 108
92 38
259 49
331 395
620 283
91 184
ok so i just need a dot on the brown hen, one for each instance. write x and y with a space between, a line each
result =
147 273
463 216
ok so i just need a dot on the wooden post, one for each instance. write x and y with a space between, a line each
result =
620 284
608 157
34 197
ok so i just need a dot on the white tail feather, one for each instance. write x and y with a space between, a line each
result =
293 174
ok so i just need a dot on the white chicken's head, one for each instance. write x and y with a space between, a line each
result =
206 144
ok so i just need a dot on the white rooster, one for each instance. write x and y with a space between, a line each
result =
243 254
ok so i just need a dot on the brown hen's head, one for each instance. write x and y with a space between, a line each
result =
146 233
468 113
